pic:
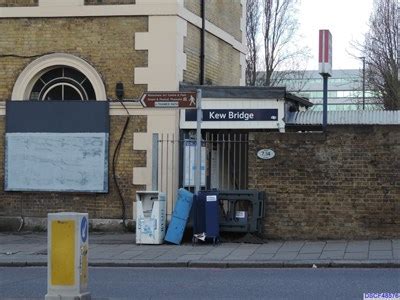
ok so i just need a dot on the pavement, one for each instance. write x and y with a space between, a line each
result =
120 250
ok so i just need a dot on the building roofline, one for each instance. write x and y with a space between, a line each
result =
353 117
245 92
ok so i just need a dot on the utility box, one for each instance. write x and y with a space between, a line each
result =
67 265
150 217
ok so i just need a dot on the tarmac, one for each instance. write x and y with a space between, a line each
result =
120 250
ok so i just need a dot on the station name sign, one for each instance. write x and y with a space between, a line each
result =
169 99
245 115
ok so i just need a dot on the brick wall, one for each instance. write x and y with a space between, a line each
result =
221 60
225 14
15 3
192 50
105 42
340 185
31 204
193 6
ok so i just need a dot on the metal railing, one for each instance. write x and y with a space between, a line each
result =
224 160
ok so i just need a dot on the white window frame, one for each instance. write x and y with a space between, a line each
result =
28 77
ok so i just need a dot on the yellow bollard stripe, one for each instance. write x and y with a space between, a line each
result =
63 252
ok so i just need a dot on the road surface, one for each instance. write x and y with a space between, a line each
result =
183 283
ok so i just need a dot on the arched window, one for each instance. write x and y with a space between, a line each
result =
62 83
59 76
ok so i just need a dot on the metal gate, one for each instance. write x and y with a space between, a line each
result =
224 162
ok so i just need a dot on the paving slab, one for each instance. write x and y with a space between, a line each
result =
285 255
261 256
308 256
151 254
313 247
242 252
239 254
380 254
356 255
197 251
357 246
169 256
189 257
380 245
291 246
335 246
127 254
335 254
248 247
269 248
396 244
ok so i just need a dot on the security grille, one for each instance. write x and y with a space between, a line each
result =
224 161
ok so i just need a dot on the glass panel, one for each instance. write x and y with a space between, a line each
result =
89 90
54 94
74 74
38 86
54 73
71 94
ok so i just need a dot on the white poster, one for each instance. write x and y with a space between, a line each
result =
189 165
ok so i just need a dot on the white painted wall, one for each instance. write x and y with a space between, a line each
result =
166 59
60 2
165 123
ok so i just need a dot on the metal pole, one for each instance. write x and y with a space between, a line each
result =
325 102
154 163
197 174
363 85
202 41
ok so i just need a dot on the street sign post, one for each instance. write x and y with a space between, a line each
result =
325 69
169 99
197 174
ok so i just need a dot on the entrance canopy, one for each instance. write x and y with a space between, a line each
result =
226 107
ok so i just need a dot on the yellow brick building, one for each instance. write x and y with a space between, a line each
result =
81 49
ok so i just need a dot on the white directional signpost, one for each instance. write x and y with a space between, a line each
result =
169 99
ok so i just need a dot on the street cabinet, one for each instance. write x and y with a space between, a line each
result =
150 217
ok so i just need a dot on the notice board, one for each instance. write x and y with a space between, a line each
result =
57 146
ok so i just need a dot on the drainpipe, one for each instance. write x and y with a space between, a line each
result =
202 42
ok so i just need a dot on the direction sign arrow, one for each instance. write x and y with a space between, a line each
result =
168 99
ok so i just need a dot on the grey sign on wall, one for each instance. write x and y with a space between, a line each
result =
57 146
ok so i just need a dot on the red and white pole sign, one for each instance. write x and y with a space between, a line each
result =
325 52
169 99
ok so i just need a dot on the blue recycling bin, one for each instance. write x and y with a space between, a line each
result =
206 216
176 227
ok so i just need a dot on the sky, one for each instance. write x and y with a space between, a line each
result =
347 21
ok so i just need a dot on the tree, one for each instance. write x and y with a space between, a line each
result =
279 28
380 50
252 27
